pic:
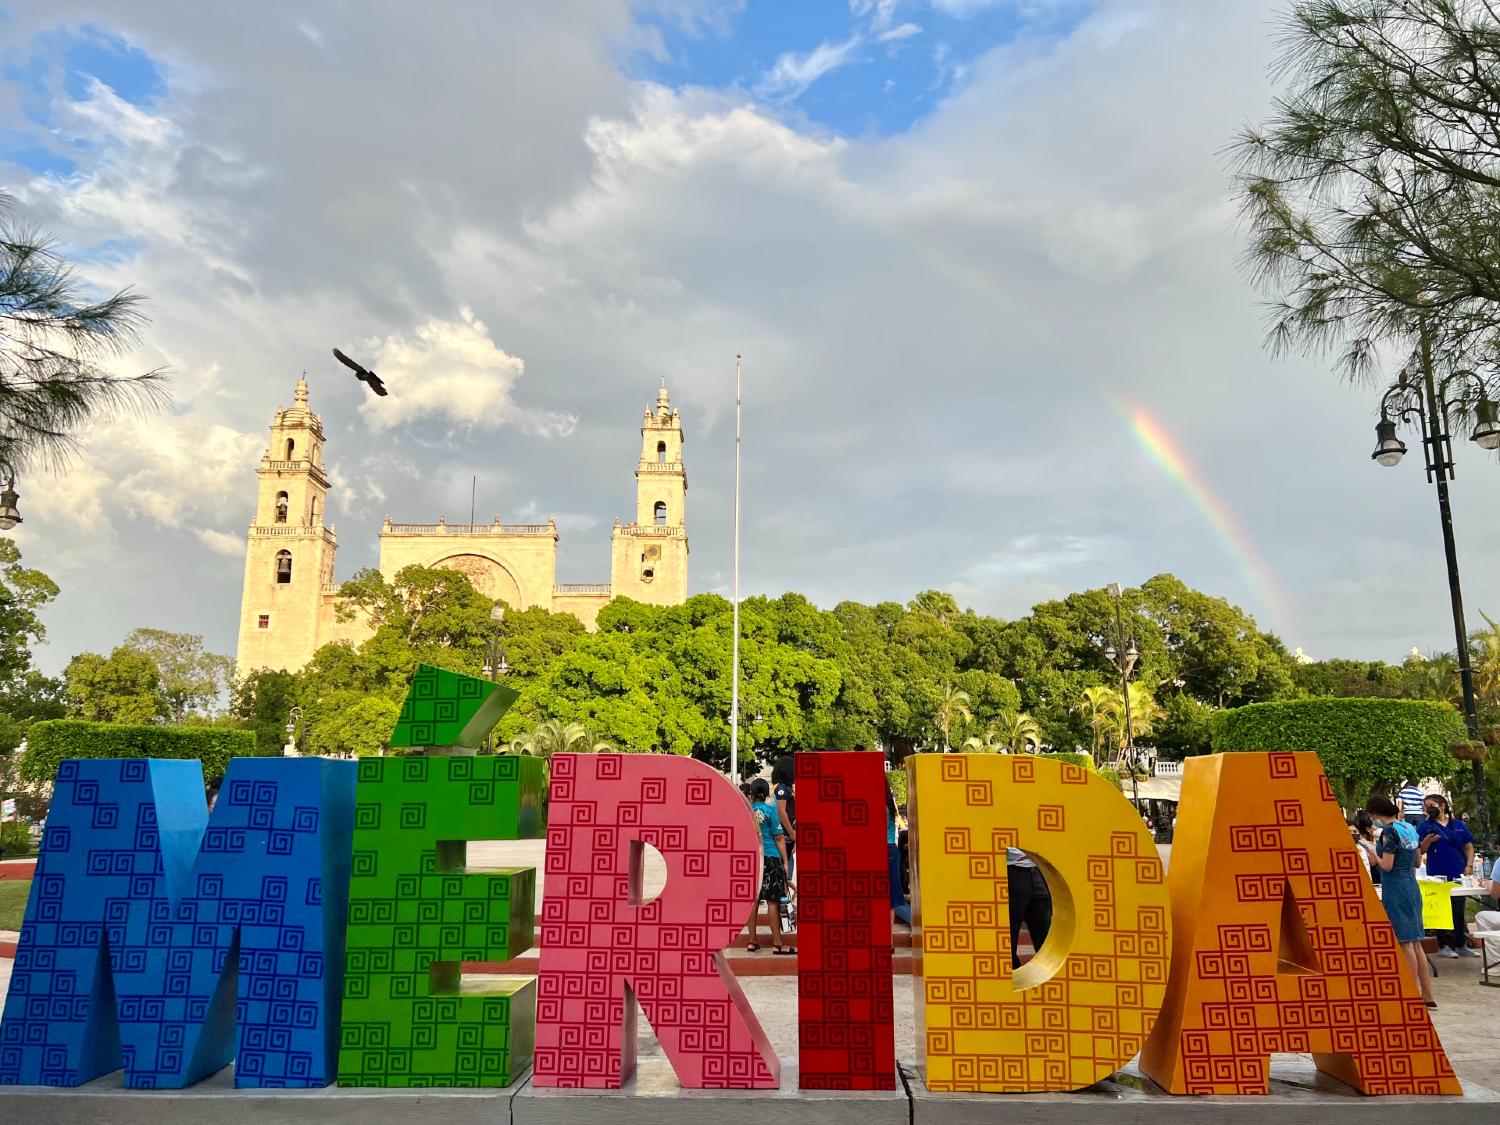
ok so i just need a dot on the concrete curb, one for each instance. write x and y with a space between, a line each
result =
652 1097
1299 1096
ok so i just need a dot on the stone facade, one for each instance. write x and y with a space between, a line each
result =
288 608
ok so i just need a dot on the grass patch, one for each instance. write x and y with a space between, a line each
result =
13 894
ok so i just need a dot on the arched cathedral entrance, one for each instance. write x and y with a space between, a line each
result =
489 576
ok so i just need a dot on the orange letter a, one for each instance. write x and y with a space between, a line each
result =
1280 943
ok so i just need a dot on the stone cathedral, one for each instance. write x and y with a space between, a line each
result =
287 611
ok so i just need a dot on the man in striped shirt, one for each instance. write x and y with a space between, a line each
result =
1411 802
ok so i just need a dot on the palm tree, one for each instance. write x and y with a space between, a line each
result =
53 342
992 742
1144 711
1021 732
1437 678
552 737
1485 657
953 706
1098 705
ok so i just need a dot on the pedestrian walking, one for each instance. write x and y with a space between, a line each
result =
784 789
1395 853
774 886
900 907
1410 800
1030 902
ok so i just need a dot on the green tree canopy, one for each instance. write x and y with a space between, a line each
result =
189 678
1352 679
124 687
656 678
1372 193
23 594
263 702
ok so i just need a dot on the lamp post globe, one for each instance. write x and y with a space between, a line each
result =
1389 449
10 515
1487 424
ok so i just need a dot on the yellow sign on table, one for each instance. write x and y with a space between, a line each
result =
1437 904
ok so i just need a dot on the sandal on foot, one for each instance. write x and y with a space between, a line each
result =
782 951
1430 1003
753 947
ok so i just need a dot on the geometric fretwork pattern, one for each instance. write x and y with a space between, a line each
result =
170 941
602 949
1253 828
1084 1004
416 914
846 1022
444 708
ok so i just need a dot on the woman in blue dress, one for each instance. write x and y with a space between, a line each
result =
1395 853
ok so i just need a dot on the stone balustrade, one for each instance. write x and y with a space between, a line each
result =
469 528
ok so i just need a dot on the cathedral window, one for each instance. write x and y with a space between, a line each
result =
661 513
264 621
281 507
647 574
314 517
661 453
291 447
283 567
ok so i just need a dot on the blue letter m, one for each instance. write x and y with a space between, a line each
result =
157 935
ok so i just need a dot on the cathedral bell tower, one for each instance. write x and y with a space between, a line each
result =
289 554
648 558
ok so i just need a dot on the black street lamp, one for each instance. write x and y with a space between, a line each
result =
495 664
494 659
1124 658
1418 397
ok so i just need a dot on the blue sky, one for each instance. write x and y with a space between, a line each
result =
63 62
864 67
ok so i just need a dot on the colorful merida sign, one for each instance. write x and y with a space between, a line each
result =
312 928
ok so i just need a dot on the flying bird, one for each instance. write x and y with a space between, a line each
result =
364 376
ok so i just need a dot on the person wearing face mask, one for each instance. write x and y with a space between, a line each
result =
1364 833
1395 853
1448 847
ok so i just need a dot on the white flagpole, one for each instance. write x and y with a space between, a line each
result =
734 691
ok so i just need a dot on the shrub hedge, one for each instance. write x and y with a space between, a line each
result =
1077 759
15 839
1360 742
52 741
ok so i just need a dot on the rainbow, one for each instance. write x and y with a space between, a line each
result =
1162 448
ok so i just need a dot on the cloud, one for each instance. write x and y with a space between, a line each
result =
794 71
895 34
221 542
450 370
934 324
